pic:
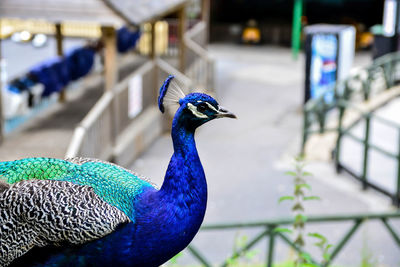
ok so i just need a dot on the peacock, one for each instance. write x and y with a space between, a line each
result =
88 212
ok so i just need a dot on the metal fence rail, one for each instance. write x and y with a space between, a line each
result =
361 93
269 235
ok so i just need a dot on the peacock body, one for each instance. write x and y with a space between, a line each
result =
87 212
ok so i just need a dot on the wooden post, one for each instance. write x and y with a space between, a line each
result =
181 33
153 56
60 52
153 52
205 17
110 57
109 38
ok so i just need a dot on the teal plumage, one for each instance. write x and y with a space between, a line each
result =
111 183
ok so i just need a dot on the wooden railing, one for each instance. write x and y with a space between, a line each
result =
98 133
96 136
199 67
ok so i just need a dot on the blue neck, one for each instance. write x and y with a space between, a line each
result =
185 173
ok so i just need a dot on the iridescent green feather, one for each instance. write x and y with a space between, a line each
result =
113 184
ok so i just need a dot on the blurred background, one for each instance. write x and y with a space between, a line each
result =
311 168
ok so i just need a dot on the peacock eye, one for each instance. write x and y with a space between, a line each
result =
202 107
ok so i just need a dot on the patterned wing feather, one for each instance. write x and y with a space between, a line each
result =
112 183
41 212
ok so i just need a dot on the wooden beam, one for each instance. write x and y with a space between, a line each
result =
153 51
153 56
205 16
60 52
181 32
110 57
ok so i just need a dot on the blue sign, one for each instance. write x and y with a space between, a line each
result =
323 66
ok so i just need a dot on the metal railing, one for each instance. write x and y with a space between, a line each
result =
356 100
269 235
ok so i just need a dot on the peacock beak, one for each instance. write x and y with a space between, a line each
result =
223 113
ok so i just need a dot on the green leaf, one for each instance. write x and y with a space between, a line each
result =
291 173
231 261
326 256
251 254
285 198
311 198
174 259
282 230
305 256
317 235
306 174
241 242
328 247
304 185
319 245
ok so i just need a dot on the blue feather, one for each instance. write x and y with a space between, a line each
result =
163 92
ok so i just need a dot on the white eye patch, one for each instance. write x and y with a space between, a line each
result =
198 114
211 107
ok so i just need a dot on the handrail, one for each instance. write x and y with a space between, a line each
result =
168 68
87 122
102 105
188 38
310 219
200 68
146 67
76 142
268 232
104 101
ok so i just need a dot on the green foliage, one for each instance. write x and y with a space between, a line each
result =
239 253
174 260
300 194
323 245
285 198
367 257
282 230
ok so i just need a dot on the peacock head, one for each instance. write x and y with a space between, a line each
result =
194 109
